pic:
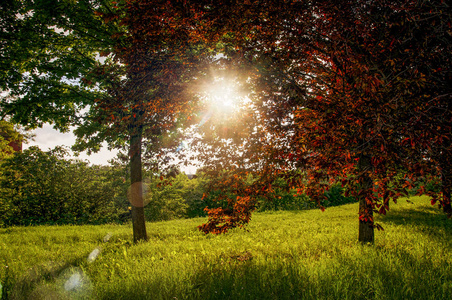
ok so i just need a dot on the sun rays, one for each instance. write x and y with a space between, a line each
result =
222 95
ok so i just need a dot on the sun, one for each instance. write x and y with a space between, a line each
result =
222 95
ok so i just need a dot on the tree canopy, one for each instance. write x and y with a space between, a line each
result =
352 93
116 71
355 92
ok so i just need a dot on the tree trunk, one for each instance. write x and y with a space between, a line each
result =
366 228
136 188
446 183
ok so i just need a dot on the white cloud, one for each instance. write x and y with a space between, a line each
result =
48 138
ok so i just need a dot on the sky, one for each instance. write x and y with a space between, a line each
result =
48 138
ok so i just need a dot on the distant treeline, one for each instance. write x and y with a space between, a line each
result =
38 187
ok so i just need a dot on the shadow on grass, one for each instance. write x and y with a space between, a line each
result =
243 280
50 280
427 219
352 272
340 278
364 274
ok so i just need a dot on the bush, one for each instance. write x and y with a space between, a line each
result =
335 196
193 193
184 198
284 198
285 201
44 188
165 203
430 184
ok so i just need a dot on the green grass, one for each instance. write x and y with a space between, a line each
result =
283 255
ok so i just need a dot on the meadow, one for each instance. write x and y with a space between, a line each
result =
282 255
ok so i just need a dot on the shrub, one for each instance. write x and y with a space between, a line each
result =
164 205
285 201
44 188
335 196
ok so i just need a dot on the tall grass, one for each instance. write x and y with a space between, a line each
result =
283 255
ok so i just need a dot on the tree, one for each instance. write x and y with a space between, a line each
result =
342 94
134 93
46 46
384 79
161 56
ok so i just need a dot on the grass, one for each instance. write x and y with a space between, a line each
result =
283 255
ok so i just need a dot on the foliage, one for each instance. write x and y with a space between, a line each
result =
193 193
232 206
283 198
8 134
180 197
335 196
348 93
118 71
429 184
48 46
283 255
44 188
166 202
285 201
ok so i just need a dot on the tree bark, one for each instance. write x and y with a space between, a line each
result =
446 183
366 228
136 188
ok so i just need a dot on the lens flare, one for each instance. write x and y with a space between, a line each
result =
93 255
183 145
205 118
107 237
75 283
135 190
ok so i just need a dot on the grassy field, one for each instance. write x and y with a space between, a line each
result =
283 255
